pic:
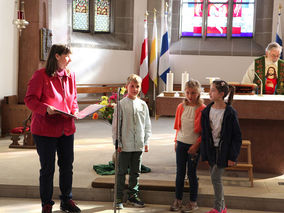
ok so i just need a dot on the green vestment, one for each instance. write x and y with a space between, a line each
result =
259 68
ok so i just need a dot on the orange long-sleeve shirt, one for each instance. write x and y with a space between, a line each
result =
197 120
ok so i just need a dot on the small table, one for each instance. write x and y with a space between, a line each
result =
167 105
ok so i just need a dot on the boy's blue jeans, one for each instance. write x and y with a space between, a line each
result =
184 159
46 149
131 160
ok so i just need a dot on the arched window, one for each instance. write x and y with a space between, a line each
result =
91 16
217 18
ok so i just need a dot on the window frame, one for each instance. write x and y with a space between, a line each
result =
92 19
205 20
72 11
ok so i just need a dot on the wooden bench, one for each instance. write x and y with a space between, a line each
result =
245 166
89 89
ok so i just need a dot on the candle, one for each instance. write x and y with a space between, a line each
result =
170 82
184 79
211 79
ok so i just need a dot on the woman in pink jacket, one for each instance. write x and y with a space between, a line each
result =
51 88
187 142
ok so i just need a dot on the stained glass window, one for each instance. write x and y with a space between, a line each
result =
81 15
102 16
243 14
192 12
211 18
217 18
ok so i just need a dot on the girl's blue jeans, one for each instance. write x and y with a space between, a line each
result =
183 160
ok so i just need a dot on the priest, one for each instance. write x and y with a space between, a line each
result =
273 82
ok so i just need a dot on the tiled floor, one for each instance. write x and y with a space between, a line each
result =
93 145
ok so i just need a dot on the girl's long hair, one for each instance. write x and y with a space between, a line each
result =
51 63
223 86
194 84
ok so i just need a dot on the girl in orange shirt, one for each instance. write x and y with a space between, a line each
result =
187 142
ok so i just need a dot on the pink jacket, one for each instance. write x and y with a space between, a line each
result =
197 121
44 91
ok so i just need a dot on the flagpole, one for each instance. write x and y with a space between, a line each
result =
278 38
161 83
143 70
166 23
154 89
164 66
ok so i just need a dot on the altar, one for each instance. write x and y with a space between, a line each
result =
261 120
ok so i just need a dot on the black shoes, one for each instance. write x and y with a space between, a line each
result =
69 206
135 201
47 208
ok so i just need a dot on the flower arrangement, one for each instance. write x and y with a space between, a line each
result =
106 112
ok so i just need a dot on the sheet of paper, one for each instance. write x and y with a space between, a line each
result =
64 113
89 110
85 112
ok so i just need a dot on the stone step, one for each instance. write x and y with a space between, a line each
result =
151 192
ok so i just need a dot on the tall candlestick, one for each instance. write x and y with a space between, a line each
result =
170 82
184 79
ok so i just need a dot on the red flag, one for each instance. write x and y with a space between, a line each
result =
144 74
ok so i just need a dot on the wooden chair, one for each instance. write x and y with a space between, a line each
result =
245 166
22 131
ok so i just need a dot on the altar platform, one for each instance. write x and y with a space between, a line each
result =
93 145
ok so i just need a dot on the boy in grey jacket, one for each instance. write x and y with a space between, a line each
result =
134 133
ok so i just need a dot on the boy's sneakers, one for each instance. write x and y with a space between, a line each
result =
135 201
69 206
189 207
176 206
47 208
119 204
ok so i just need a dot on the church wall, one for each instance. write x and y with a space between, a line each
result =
95 65
199 67
9 51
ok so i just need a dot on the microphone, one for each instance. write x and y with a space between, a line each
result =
261 83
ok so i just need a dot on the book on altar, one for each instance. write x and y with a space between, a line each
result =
83 113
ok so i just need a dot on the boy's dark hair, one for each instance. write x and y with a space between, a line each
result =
51 63
223 86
